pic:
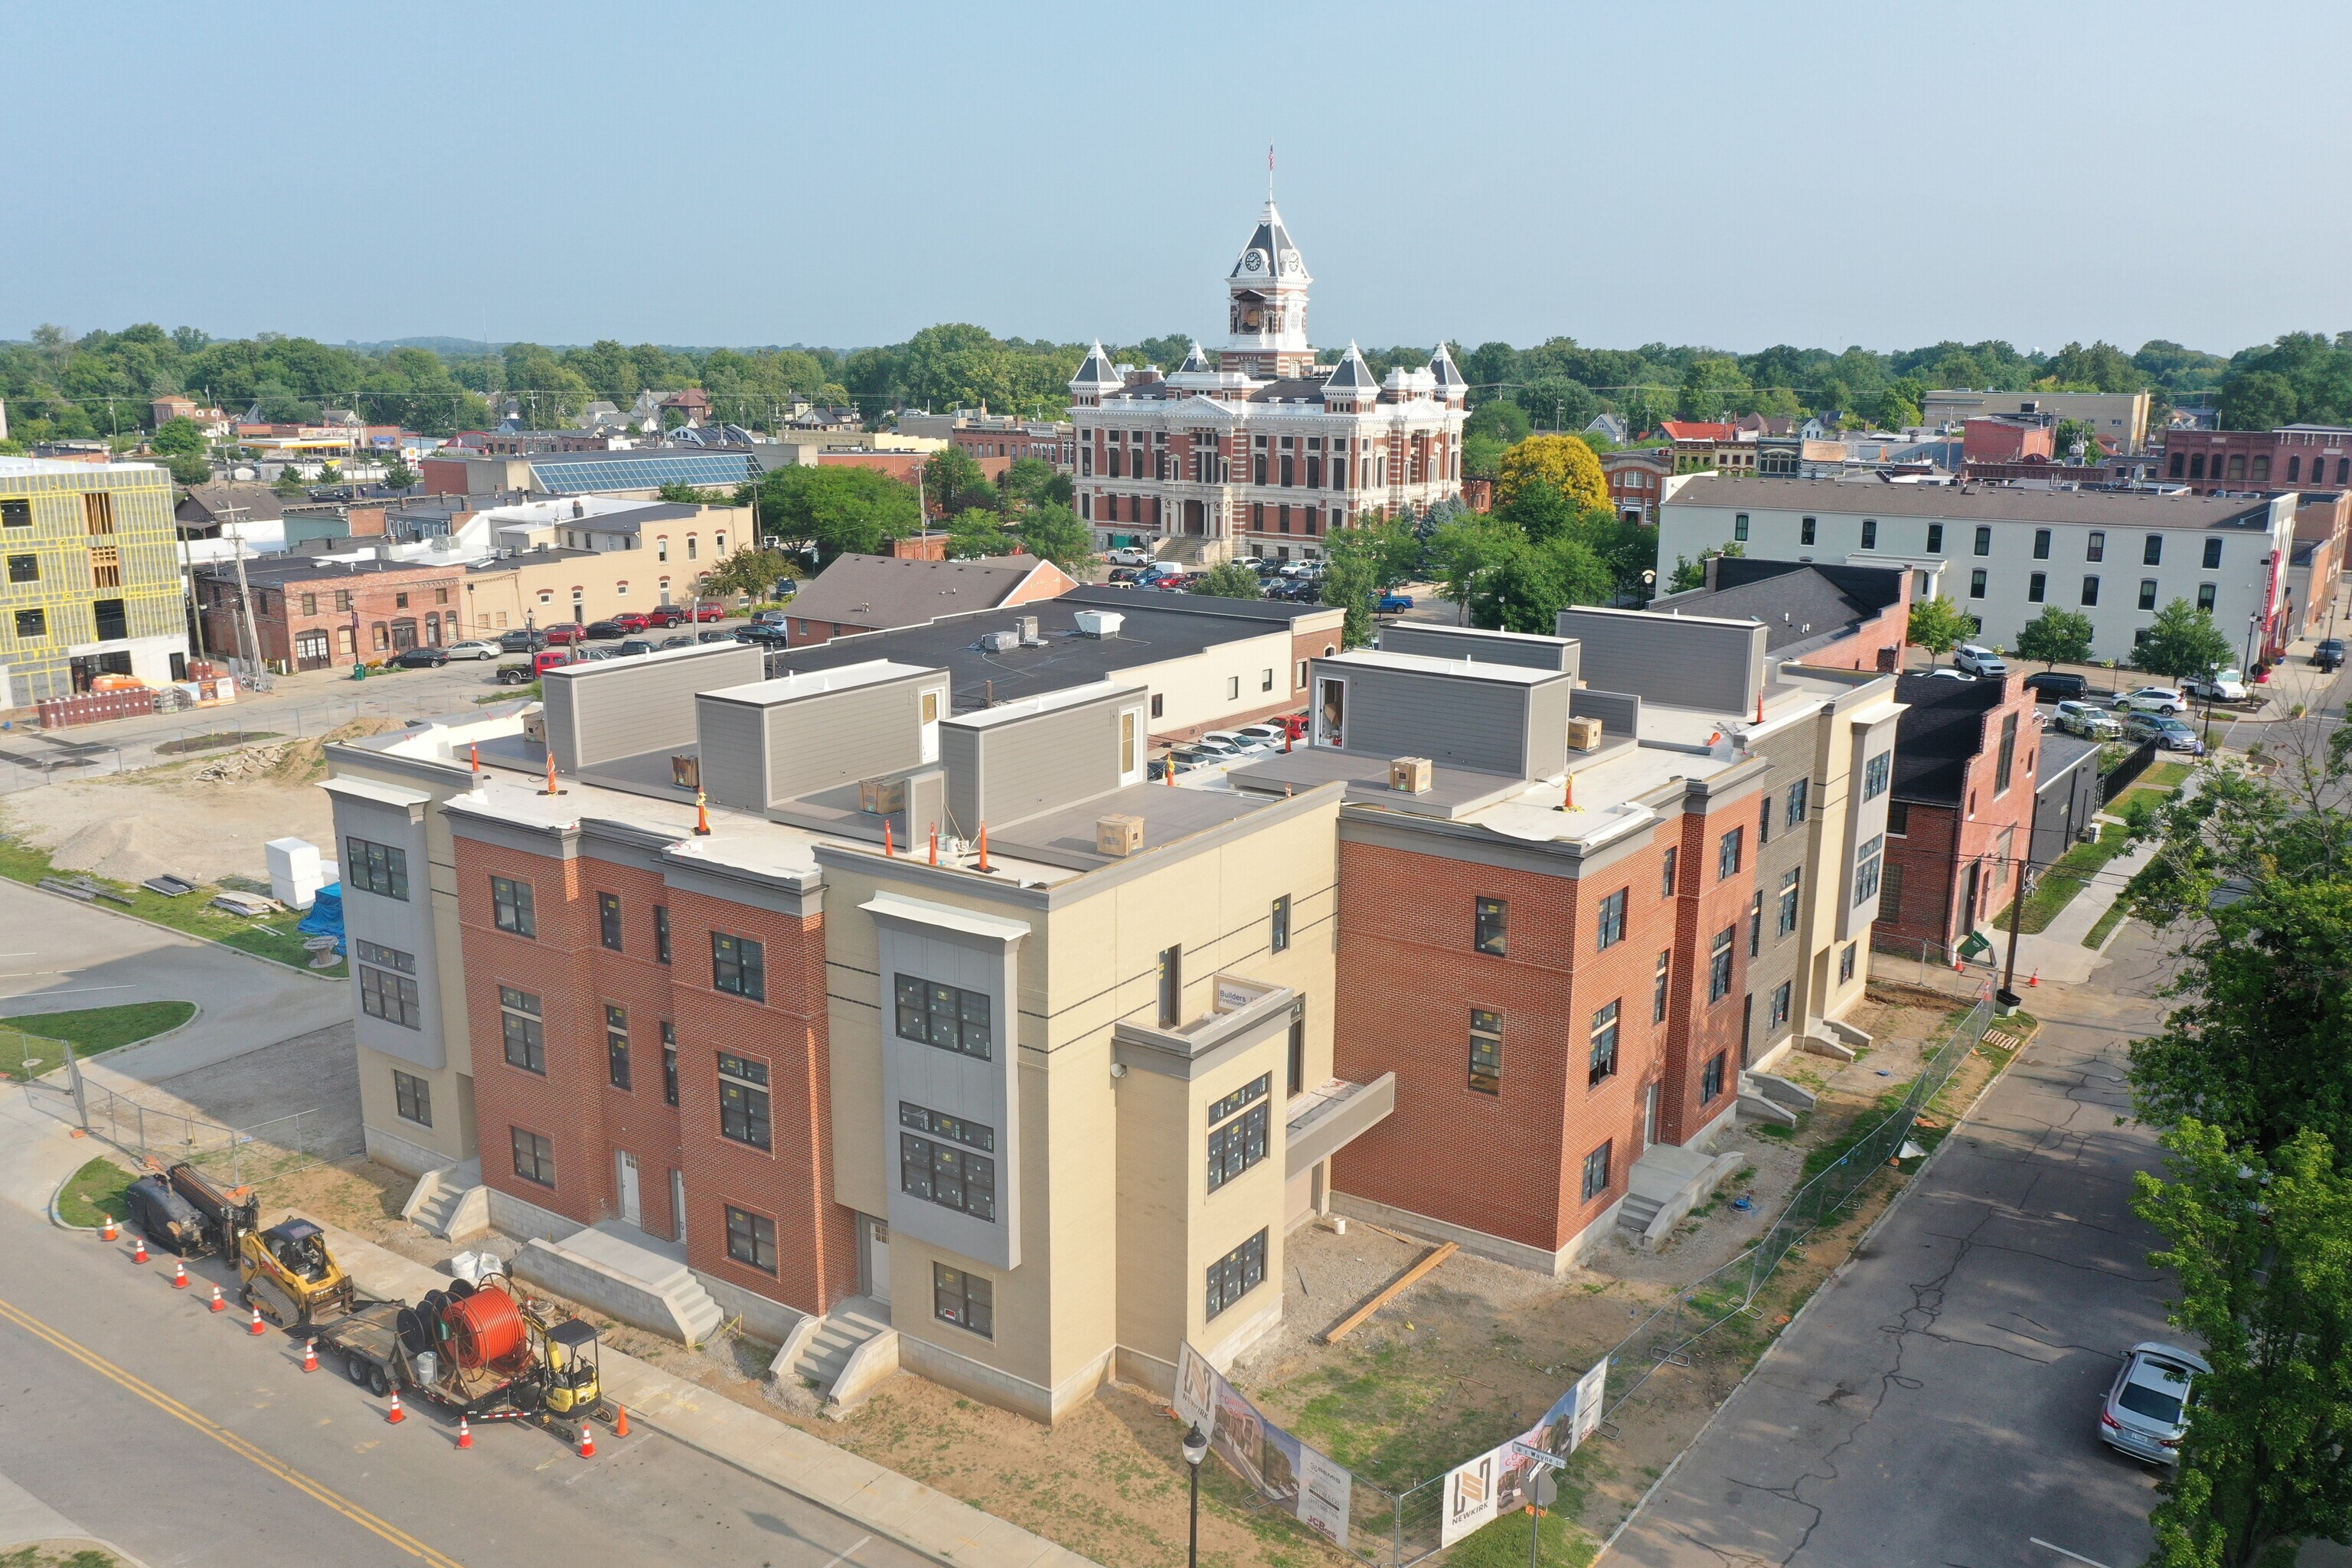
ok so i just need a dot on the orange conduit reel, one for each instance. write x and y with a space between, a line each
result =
486 1329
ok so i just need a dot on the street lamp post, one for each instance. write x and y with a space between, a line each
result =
1196 1449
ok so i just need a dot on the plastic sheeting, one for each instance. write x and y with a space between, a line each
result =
326 916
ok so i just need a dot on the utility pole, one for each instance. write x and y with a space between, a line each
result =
2006 996
249 645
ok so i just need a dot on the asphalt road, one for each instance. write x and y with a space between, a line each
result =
1936 1403
170 1432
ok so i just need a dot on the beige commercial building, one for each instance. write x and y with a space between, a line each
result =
2120 417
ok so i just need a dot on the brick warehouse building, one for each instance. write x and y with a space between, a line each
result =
1963 791
329 614
896 1085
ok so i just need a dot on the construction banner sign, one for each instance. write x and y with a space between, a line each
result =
1495 1482
1301 1479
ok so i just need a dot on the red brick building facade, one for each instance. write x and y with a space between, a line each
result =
1637 481
2316 456
1963 792
317 614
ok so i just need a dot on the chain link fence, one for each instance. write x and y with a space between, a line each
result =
165 1135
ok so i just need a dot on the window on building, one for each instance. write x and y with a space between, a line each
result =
1718 967
2095 547
2151 551
97 511
534 1157
1487 931
1237 1130
2237 465
1870 533
1984 540
948 1161
2090 590
1485 1051
2037 586
1739 526
2205 594
947 1017
616 1047
608 920
1171 986
669 1062
661 933
1659 994
1977 583
1876 773
1800 802
1764 815
15 514
387 986
1278 925
1236 1274
1792 888
751 1239
1726 854
1710 1082
1756 923
511 908
964 1298
744 1101
1612 923
1666 871
2005 764
1934 538
2147 593
1596 1172
1846 962
1806 529
2212 554
24 568
377 869
1890 892
1865 869
2175 471
521 1029
738 966
412 1097
2041 544
1601 1065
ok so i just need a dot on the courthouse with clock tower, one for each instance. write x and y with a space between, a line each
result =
1265 452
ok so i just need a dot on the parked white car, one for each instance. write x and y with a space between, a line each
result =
2227 686
2165 699
1977 659
2084 719
474 648
1128 555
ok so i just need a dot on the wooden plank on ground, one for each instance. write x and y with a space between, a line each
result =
1389 1292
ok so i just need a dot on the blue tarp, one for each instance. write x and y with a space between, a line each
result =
326 916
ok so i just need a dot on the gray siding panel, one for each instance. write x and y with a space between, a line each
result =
562 732
1677 660
840 736
1454 722
1618 713
623 708
1038 763
1475 643
734 750
1547 708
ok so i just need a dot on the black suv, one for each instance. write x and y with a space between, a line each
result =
604 631
2057 686
523 639
2329 654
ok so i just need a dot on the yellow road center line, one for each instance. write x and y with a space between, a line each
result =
228 1439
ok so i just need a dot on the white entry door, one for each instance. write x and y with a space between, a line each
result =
677 1205
878 1258
632 1204
1650 1115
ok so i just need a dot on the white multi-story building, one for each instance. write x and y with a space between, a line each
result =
2002 553
1267 452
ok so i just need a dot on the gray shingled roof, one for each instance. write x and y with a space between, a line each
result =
884 591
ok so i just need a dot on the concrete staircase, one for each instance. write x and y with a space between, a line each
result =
852 1349
1665 1183
451 1202
624 1271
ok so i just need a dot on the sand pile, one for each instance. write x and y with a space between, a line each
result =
127 849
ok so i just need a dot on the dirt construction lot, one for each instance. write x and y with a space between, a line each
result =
1468 1356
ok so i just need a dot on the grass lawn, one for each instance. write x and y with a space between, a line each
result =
2107 922
273 937
95 1191
96 1029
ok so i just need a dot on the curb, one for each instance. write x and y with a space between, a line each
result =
187 1023
98 1541
57 1218
190 936
1821 1290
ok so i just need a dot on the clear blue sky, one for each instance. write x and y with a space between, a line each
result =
844 175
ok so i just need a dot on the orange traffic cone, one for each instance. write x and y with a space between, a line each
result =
310 1355
464 1433
218 1305
257 1328
621 1426
394 1416
587 1440
179 1275
107 1231
2033 981
139 1250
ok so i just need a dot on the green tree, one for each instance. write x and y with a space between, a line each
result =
1229 580
1712 386
2102 367
953 482
749 572
1528 589
1029 481
2056 636
1051 532
836 509
1893 406
979 531
685 494
1500 419
330 473
1690 574
1465 549
1565 462
288 482
2182 642
2072 432
1350 580
188 469
399 475
1938 625
2260 400
179 437
2262 1246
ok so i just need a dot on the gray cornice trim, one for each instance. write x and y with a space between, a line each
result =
561 843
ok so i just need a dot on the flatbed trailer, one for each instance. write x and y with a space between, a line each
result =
382 1355
541 1369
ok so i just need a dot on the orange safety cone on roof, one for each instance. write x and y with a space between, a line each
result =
179 1275
984 847
702 815
587 1440
394 1416
256 1330
218 1305
889 849
139 1250
935 843
310 1355
464 1433
107 1231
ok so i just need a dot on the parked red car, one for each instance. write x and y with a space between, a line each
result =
666 615
709 612
565 632
630 620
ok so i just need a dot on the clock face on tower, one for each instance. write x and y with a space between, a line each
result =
1290 261
1254 262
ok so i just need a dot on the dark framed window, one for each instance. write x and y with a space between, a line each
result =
2212 554
1934 538
511 907
1485 1051
377 869
2205 594
1984 539
738 966
1978 583
520 1028
947 1160
1792 882
1846 962
608 920
947 1017
616 1046
751 1239
669 1062
1780 1004
1659 996
1727 851
2151 551
1236 1274
1865 870
1172 986
1710 1081
661 933
534 1157
2037 588
412 1097
744 1101
1870 533
1596 1172
1297 1076
1756 923
1876 774
1610 927
1238 1129
1666 871
1718 965
1806 529
1488 922
2041 544
1739 526
964 1298
1278 929
1601 1066
24 568
2005 761
2095 548
1764 815
1898 819
2147 593
391 997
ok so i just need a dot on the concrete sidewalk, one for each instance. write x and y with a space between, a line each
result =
26 1520
908 1513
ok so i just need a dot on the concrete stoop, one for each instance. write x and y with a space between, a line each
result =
643 1282
451 1203
1665 1183
843 1355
